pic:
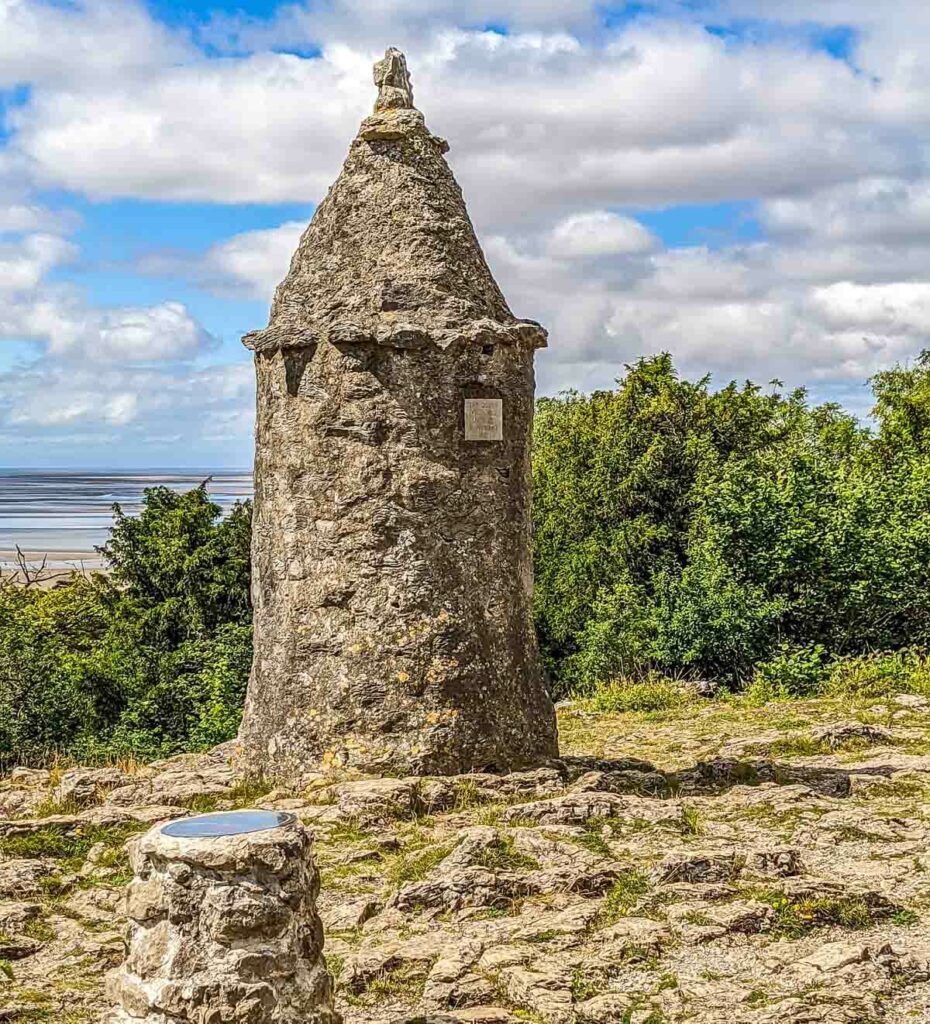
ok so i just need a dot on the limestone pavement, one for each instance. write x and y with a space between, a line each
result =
716 863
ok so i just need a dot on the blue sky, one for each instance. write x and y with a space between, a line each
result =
738 185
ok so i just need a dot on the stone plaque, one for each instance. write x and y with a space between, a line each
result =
484 419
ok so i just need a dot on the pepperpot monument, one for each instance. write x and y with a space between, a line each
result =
392 569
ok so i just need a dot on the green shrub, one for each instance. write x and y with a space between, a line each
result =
732 534
793 672
148 661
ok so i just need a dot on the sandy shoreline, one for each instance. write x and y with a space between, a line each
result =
55 561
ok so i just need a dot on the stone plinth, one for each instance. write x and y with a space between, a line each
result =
224 927
392 564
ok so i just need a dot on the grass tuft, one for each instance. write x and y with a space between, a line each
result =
72 846
622 695
503 856
631 885
415 866
795 918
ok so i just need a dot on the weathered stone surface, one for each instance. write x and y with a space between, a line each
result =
580 808
631 934
836 736
703 922
547 992
612 1008
14 916
912 700
698 866
176 785
392 572
85 786
774 862
823 923
347 915
30 777
223 928
834 956
375 798
393 81
64 823
21 878
630 781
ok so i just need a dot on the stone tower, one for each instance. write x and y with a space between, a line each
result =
391 539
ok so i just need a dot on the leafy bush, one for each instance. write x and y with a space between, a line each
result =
149 660
683 531
793 672
879 675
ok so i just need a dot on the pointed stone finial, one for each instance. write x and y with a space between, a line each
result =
393 81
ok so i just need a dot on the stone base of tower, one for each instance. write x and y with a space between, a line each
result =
432 744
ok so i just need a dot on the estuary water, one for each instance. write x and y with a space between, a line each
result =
66 513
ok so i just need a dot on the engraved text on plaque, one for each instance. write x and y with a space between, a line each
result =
484 419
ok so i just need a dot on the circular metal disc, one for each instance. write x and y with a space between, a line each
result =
226 823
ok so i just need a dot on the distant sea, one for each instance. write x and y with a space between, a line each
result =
66 513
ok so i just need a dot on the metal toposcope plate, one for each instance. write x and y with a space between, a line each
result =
226 823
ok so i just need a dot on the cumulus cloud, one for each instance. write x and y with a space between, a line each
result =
891 210
562 131
231 131
43 42
403 23
22 218
731 312
256 260
903 307
146 406
541 123
600 233
25 262
58 317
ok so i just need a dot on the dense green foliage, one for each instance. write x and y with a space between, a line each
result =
738 534
688 532
152 658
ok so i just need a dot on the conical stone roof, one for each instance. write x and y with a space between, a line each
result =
391 256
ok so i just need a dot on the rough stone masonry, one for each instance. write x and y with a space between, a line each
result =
392 571
223 928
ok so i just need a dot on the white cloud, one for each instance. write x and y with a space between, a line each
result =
63 44
600 233
554 127
873 209
25 262
20 218
58 317
540 123
900 308
118 406
239 130
257 260
732 312
404 23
